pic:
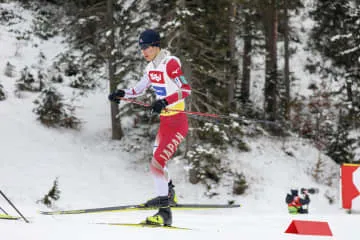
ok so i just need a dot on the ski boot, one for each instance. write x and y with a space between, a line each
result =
163 217
158 202
172 196
164 201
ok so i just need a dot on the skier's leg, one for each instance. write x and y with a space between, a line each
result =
172 132
166 144
157 168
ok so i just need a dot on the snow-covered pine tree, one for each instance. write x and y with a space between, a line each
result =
53 112
2 93
335 36
341 145
52 195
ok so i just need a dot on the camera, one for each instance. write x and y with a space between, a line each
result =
309 190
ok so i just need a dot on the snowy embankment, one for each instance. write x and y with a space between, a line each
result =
94 171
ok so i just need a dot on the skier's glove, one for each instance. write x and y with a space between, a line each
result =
115 95
158 105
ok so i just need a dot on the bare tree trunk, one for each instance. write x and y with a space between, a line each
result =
350 98
270 23
287 62
233 69
117 132
246 66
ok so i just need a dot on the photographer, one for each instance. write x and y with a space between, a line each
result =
298 204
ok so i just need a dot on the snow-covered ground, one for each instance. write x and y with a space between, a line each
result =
93 171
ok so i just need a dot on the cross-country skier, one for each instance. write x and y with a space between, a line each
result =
163 73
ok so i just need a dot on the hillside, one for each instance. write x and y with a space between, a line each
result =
94 171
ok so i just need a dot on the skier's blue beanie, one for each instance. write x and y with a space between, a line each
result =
148 38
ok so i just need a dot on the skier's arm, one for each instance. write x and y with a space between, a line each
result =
289 198
139 88
305 200
173 70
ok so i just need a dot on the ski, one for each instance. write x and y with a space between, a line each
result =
8 217
138 207
144 225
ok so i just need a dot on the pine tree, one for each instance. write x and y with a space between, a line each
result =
52 195
53 112
335 36
2 93
341 146
198 33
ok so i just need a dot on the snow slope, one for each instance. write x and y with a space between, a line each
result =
94 171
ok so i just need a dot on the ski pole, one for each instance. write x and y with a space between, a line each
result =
146 105
13 206
176 110
3 211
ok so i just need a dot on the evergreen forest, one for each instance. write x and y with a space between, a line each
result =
239 56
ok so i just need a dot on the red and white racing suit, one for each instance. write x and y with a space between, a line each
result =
165 76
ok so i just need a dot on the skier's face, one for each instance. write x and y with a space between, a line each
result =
150 53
